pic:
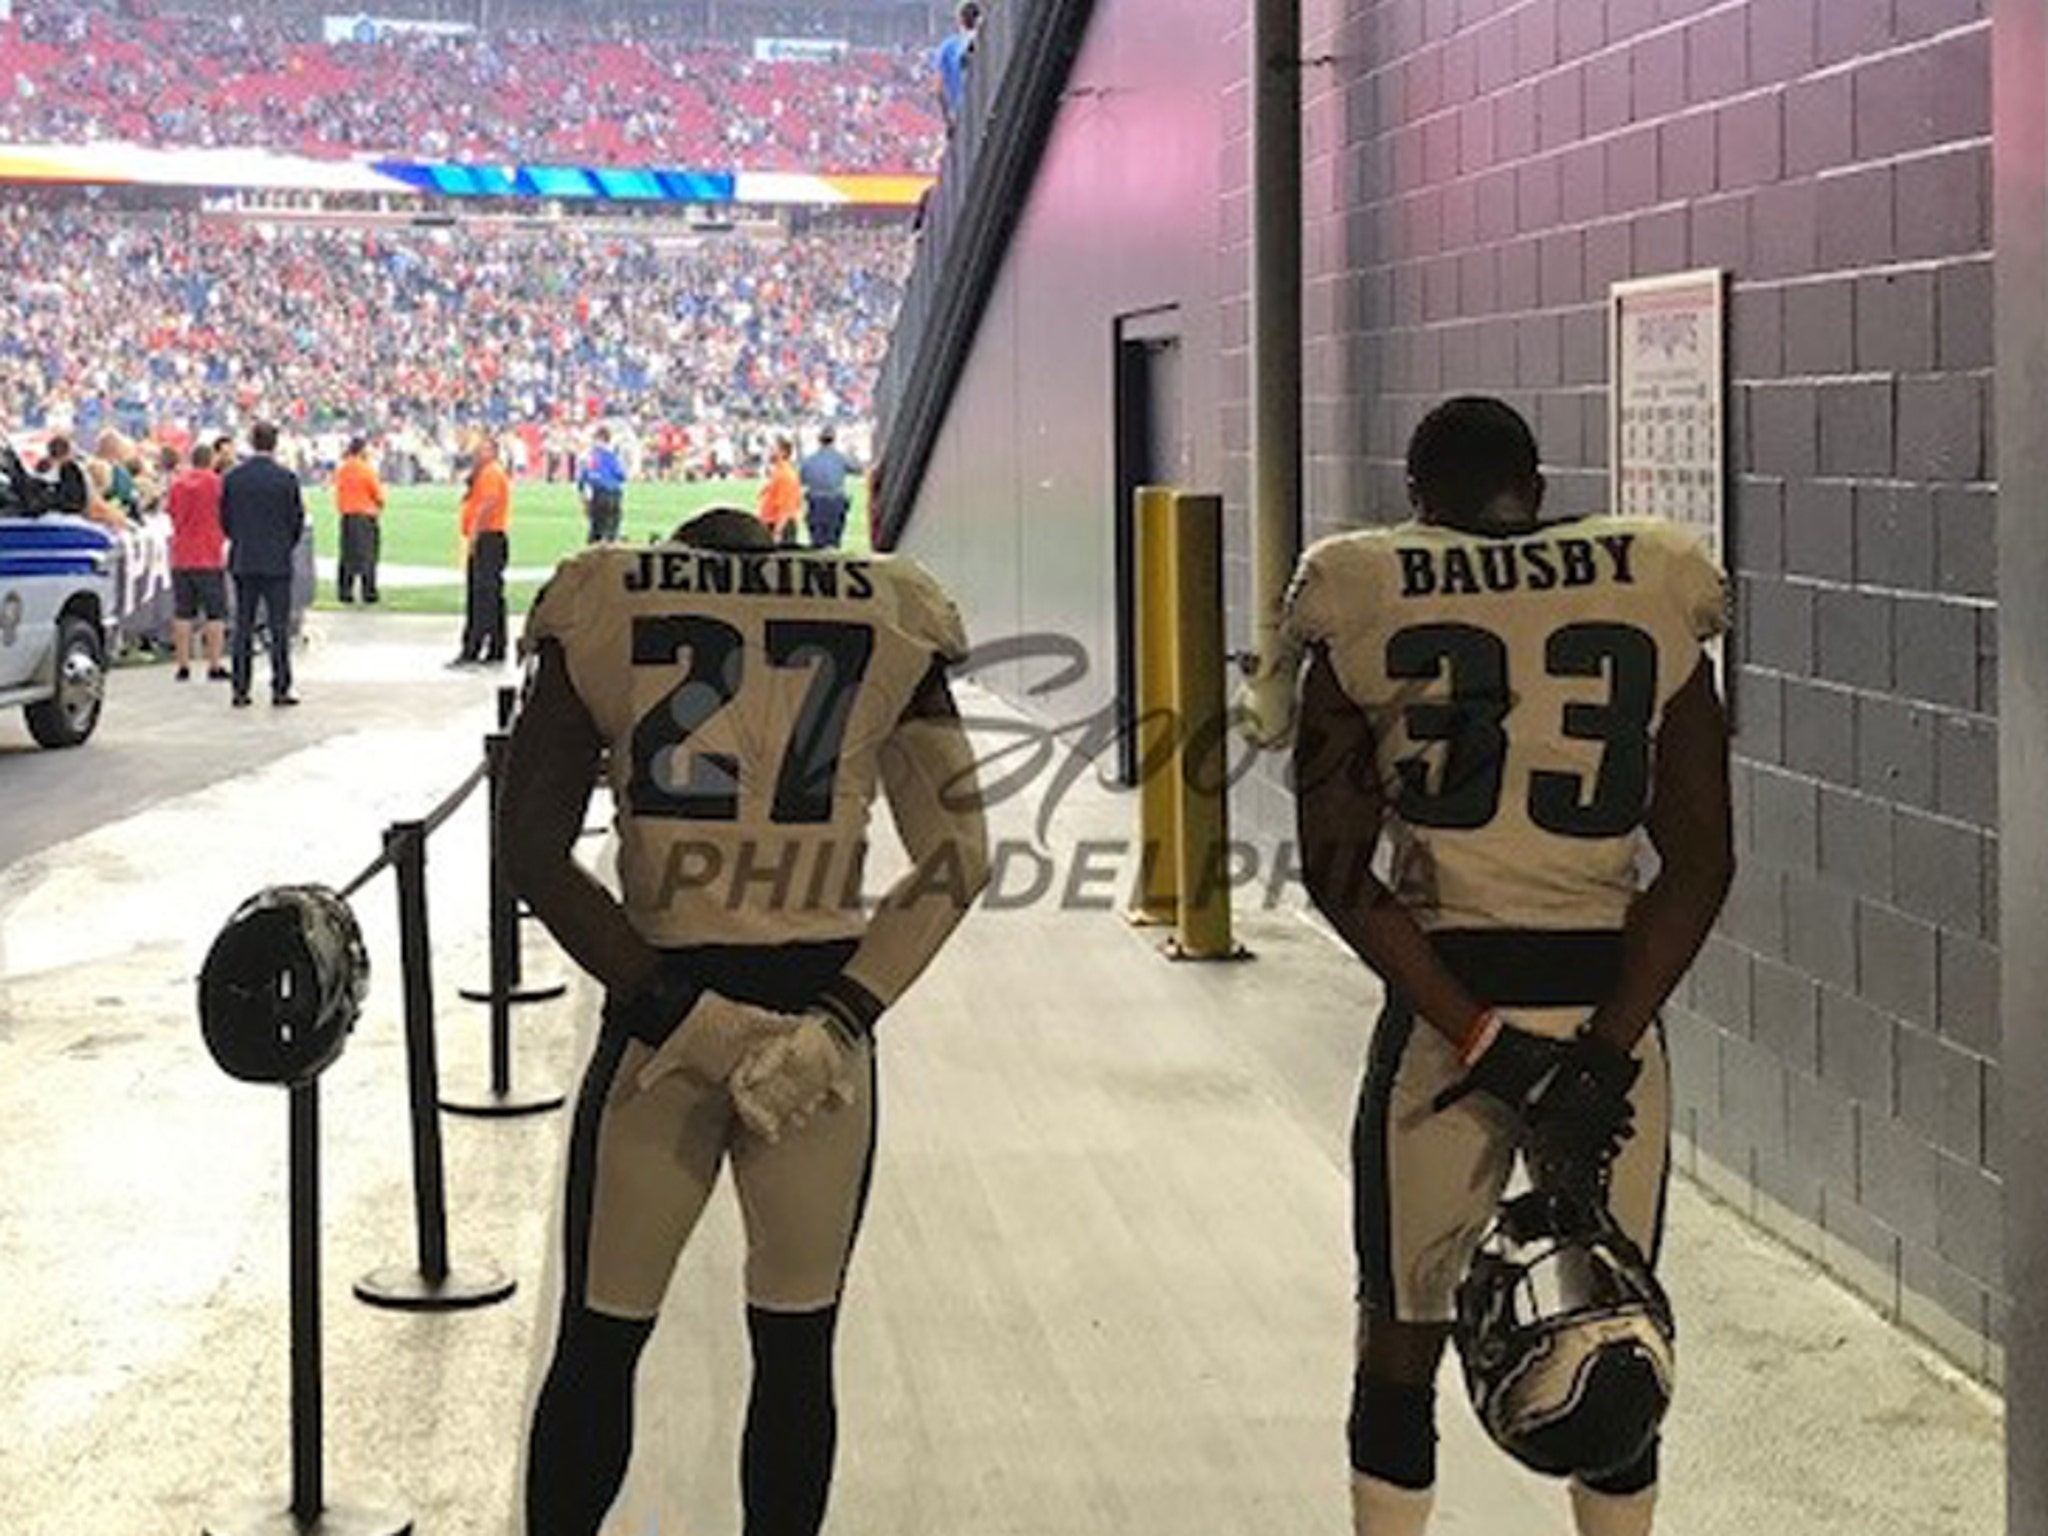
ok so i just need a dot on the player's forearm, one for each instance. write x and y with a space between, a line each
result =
1380 932
1664 932
928 774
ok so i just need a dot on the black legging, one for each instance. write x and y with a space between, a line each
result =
583 1426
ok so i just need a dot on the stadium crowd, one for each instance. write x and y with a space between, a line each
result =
193 323
70 73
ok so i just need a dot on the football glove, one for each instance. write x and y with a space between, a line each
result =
1581 1118
786 1079
712 1039
1513 1070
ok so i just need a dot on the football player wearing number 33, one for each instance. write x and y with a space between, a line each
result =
749 704
1517 705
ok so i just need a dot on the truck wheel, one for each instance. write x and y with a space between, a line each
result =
67 717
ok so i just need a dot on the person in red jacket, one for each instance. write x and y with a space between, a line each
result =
199 587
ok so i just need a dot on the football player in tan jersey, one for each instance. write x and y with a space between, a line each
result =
1517 706
749 704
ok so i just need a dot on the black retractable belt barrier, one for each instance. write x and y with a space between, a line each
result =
505 989
510 974
432 1285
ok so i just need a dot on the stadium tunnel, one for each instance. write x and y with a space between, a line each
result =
1480 186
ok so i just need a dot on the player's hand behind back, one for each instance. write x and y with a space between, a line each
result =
783 1081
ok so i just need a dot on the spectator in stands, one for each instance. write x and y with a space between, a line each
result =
486 528
359 498
782 494
559 95
199 588
73 493
719 341
115 451
951 62
223 454
100 505
602 481
263 512
824 481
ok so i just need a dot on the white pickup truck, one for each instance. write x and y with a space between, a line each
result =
56 601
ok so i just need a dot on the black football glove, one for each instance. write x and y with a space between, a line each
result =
1513 1071
1581 1117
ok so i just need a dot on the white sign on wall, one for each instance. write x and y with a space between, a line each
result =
1667 412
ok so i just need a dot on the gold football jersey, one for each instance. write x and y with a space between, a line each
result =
1514 686
745 699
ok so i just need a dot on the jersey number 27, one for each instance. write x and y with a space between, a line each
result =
838 656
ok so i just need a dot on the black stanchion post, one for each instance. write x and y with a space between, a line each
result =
506 980
309 1514
433 1286
502 992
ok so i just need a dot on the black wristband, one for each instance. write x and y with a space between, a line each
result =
655 1009
851 1006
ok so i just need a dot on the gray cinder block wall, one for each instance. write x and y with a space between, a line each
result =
1478 172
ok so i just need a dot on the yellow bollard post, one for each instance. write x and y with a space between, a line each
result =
1202 752
1158 900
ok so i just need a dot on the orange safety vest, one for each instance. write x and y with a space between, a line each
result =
487 506
356 489
782 496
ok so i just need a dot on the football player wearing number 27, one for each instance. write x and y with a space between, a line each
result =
750 705
1516 706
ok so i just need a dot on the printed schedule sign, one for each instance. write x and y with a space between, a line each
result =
1668 409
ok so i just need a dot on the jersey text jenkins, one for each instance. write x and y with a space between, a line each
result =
723 575
1532 565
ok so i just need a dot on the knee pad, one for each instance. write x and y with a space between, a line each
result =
1631 1478
1393 1431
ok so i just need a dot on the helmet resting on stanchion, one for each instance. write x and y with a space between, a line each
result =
283 984
1566 1338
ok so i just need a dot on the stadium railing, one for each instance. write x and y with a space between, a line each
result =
1023 55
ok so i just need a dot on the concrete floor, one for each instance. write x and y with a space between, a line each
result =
1102 1285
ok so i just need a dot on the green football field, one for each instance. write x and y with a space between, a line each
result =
420 567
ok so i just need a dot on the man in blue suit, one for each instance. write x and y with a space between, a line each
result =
263 514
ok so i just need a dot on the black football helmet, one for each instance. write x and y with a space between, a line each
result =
1566 1337
283 984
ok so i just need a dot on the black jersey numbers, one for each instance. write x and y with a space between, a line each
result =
707 789
1472 728
838 656
1468 788
1621 790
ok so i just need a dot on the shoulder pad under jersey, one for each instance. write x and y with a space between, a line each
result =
923 610
1333 585
1688 575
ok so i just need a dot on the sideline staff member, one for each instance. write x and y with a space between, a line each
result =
486 524
359 497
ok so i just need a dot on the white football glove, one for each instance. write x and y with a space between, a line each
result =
787 1078
713 1038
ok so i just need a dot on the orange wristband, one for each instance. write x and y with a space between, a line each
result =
1484 1031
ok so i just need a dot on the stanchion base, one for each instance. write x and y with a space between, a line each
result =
504 1106
1173 950
264 1518
399 1289
534 992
